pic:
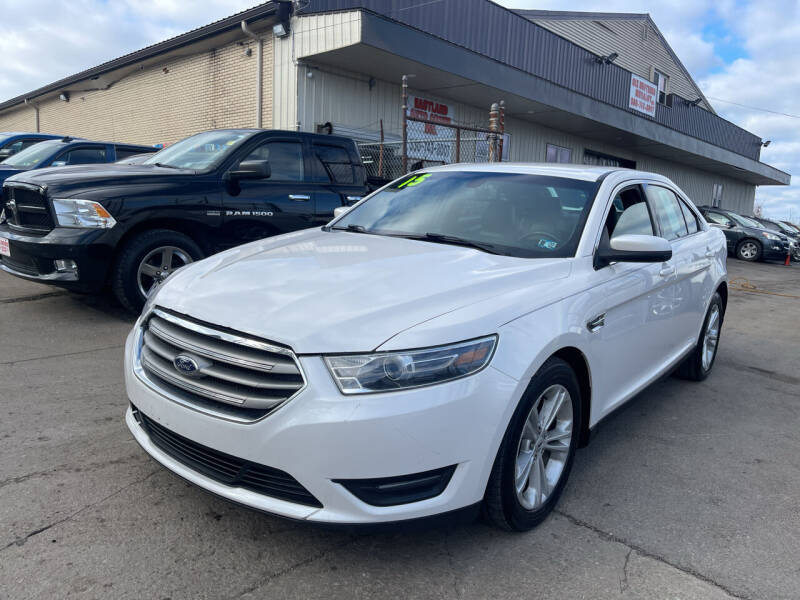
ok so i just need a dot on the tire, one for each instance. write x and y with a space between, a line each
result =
503 505
749 250
698 364
127 280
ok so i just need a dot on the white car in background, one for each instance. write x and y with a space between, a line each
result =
444 345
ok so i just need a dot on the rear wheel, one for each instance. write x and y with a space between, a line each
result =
147 260
749 250
699 363
536 454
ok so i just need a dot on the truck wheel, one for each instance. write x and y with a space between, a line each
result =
749 250
146 260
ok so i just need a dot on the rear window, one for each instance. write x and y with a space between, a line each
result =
336 163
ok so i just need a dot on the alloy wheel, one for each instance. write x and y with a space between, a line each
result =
543 447
711 337
749 250
157 265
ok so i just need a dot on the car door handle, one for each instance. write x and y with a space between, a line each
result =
299 197
667 271
596 323
710 253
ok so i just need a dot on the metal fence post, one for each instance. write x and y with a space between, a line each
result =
458 144
494 115
405 124
380 154
502 130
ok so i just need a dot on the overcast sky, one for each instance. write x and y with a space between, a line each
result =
739 51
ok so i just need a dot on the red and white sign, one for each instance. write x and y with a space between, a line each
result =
430 110
644 95
5 250
428 141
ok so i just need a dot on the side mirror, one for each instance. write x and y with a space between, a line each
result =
719 225
340 210
251 169
633 248
5 153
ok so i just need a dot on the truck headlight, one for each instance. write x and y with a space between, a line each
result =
390 371
82 214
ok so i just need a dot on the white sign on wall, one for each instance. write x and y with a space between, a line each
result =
644 95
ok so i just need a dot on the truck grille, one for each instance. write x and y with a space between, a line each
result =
224 468
216 369
27 207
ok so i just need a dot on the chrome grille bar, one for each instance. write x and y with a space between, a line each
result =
233 369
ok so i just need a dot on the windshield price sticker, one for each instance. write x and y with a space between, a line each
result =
416 180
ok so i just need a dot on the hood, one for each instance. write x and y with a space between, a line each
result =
81 177
322 291
7 171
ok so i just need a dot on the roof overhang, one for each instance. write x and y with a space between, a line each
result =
388 50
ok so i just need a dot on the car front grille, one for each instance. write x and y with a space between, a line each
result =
26 207
224 468
228 372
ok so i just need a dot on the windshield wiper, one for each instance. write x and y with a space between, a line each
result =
166 166
442 238
353 227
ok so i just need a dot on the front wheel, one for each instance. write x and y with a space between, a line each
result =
148 259
749 250
699 363
536 454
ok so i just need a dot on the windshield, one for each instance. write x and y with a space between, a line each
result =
504 213
785 228
33 156
745 221
199 152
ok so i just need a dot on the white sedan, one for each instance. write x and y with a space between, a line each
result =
443 346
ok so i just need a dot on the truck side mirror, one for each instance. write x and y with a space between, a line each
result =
251 169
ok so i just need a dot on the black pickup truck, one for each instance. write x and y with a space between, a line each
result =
130 226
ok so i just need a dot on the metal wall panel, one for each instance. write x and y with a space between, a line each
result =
346 100
500 34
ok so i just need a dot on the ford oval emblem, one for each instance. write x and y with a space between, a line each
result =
186 365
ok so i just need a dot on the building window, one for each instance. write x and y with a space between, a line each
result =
590 157
716 195
558 154
661 81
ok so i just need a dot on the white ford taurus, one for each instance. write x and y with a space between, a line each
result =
444 345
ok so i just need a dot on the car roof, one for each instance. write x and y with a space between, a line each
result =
28 134
66 142
568 171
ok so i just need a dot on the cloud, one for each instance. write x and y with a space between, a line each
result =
42 41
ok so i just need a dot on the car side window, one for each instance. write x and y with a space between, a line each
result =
719 219
82 156
629 214
285 160
691 219
14 147
668 212
335 162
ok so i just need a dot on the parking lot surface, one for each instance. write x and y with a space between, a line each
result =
691 491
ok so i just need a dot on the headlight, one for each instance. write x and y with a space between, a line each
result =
390 371
2 216
771 236
82 214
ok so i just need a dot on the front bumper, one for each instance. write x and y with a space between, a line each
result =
775 250
321 436
33 257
